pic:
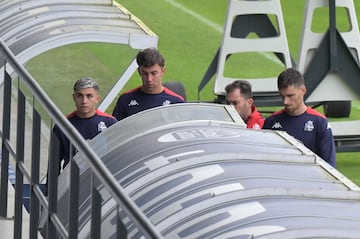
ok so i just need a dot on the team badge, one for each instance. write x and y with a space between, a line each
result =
309 126
101 126
166 102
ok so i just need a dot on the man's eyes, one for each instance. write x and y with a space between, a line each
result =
85 96
154 73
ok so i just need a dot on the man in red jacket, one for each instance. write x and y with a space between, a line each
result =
239 94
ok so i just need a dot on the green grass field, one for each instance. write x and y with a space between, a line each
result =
189 33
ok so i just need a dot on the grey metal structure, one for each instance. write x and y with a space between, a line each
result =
185 171
196 173
29 28
329 61
330 58
245 17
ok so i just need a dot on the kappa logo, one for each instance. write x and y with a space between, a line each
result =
133 103
101 126
276 125
166 102
309 126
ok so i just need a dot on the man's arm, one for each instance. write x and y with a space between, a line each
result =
327 145
117 110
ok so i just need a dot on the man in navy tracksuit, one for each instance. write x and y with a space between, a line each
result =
87 119
300 121
152 93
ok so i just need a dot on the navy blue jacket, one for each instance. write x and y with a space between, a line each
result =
87 127
135 100
311 128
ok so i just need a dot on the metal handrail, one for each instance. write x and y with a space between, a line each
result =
100 170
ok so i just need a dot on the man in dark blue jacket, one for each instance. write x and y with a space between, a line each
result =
152 93
87 119
301 121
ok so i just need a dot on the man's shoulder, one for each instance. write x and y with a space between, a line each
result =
107 118
276 114
313 112
131 92
103 114
71 115
167 91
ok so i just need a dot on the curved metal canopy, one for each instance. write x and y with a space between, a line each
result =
196 173
32 27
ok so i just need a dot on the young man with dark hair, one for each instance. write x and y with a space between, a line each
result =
87 119
301 121
152 93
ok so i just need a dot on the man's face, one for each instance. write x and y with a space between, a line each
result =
152 78
293 98
85 101
241 104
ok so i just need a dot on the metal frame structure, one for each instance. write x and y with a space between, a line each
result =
328 60
197 172
331 57
28 29
244 17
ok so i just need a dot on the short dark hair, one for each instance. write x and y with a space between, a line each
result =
290 76
86 82
149 57
243 85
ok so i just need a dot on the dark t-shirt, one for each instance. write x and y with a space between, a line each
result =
87 127
311 128
134 101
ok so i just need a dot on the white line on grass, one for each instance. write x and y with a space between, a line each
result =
206 21
215 26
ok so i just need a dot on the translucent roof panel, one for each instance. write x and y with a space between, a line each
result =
30 28
196 172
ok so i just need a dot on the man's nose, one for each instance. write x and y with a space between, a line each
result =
84 99
149 77
285 100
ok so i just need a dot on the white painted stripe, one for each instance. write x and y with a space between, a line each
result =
202 19
215 26
236 213
197 175
177 205
161 161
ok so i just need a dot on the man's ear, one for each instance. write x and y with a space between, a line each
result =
251 101
98 97
303 89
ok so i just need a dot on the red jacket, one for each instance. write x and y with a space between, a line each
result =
256 120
